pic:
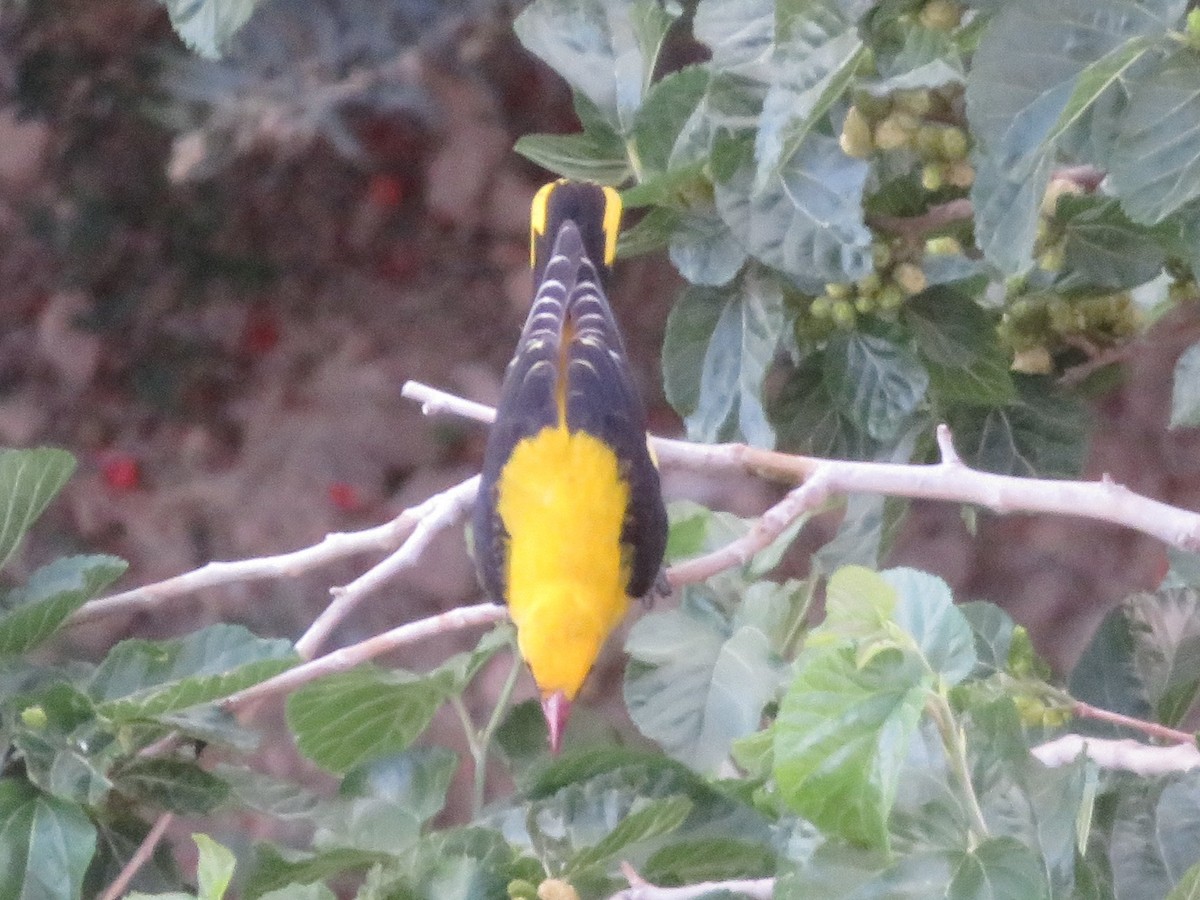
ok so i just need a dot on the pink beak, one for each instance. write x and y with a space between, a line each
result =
557 709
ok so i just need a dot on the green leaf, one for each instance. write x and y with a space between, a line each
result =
704 250
993 631
927 59
1188 887
716 353
876 383
652 820
807 219
1006 208
66 753
207 26
957 341
605 49
420 777
1107 677
344 720
1103 249
669 104
174 785
710 859
29 480
1039 67
1165 627
815 64
926 611
146 679
1042 434
1185 397
35 612
46 844
272 870
858 603
740 34
695 689
1155 164
999 869
842 736
214 870
1155 838
587 156
807 420
463 667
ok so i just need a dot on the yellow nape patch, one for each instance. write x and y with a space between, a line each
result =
563 502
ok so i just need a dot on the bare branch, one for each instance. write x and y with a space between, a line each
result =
347 658
1124 755
334 547
438 512
1152 729
640 889
140 857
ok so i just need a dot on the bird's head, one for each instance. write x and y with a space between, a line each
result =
560 637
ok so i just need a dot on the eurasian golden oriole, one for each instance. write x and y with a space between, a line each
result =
570 521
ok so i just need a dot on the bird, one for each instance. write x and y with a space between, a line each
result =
569 524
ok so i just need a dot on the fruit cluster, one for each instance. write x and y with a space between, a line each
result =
922 121
1037 327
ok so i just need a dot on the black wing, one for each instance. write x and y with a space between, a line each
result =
602 400
527 404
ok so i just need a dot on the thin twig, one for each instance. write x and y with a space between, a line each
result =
334 547
1153 729
348 657
436 513
140 857
1123 755
948 480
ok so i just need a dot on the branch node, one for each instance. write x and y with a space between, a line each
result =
945 442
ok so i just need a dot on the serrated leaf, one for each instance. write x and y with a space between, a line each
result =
214 869
144 679
174 785
695 689
208 25
1042 434
876 383
651 233
605 49
739 33
1185 397
999 869
652 820
927 59
29 480
858 603
52 594
1155 164
723 341
585 156
344 720
842 735
463 667
807 219
957 340
46 844
926 610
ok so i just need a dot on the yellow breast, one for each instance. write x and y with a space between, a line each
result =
563 502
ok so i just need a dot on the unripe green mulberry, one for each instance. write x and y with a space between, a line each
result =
856 140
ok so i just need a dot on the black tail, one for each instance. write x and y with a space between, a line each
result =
596 212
